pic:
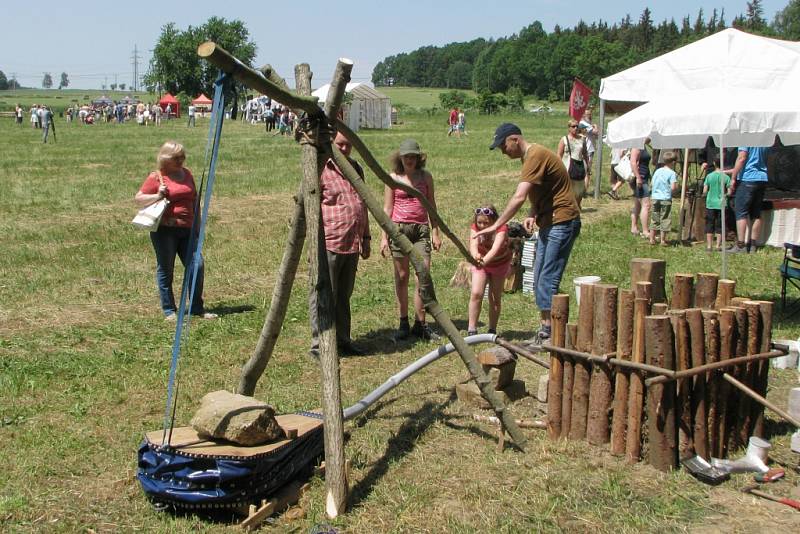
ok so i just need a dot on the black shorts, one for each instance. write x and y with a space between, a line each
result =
713 221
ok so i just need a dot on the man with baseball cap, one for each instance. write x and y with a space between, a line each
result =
554 210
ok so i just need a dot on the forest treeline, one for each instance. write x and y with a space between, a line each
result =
543 64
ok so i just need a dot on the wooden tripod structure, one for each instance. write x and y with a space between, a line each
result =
315 138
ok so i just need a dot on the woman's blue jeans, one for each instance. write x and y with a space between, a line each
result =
552 252
168 242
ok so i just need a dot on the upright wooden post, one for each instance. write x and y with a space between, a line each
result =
750 376
580 388
604 341
559 313
569 381
621 382
706 290
694 320
727 347
653 271
762 378
726 289
633 436
661 432
680 329
682 291
735 399
711 329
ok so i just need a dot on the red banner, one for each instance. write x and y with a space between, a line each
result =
578 99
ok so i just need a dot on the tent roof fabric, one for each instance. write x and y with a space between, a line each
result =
202 99
357 89
168 99
729 58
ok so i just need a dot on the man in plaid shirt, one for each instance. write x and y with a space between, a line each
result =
347 236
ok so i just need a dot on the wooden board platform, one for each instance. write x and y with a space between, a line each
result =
186 440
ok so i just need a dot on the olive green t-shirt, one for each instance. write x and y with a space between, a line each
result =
551 195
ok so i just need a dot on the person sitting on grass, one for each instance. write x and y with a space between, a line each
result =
714 185
664 184
493 255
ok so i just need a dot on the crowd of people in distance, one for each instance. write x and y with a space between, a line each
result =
276 117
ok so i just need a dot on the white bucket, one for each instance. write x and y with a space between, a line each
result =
790 360
579 281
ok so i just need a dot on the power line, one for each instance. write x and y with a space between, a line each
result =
135 62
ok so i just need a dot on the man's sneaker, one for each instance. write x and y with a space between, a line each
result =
423 331
737 248
543 334
403 331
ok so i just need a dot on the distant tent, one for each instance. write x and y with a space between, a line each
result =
202 101
171 100
367 109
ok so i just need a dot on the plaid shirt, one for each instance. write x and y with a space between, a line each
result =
344 215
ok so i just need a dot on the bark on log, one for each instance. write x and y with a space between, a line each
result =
682 291
659 308
604 341
726 289
727 347
680 329
650 270
705 294
747 407
735 400
580 387
765 307
644 290
569 381
661 431
619 415
711 330
633 437
694 319
559 314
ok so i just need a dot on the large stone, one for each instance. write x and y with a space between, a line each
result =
469 393
236 418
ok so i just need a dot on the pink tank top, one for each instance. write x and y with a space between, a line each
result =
408 209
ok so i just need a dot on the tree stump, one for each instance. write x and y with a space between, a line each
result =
725 292
653 271
682 291
604 341
705 294
661 431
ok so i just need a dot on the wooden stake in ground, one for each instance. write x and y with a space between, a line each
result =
580 387
705 294
694 320
559 313
726 289
653 271
727 346
621 382
569 381
633 436
661 431
680 330
765 307
747 407
604 341
711 329
735 399
682 291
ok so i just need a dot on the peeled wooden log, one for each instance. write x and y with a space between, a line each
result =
711 330
559 313
682 291
580 387
661 430
765 308
653 271
619 415
633 436
604 342
726 289
569 381
694 320
705 294
680 329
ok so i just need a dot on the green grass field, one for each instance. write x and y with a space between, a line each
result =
84 350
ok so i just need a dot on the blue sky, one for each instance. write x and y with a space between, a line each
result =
93 41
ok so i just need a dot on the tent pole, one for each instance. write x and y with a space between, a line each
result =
598 153
724 271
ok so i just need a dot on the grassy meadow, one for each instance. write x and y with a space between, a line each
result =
84 350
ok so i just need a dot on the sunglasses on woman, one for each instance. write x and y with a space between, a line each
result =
485 211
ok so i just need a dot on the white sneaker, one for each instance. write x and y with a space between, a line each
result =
209 315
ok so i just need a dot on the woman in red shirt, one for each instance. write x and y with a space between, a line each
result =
175 183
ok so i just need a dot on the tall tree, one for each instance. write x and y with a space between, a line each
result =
47 81
787 21
175 65
3 81
64 80
754 18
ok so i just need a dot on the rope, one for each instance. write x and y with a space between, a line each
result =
196 245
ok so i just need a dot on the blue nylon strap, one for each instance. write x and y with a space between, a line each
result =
196 243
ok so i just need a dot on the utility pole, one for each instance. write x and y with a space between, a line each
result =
135 62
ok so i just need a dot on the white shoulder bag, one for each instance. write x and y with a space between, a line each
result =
149 217
624 168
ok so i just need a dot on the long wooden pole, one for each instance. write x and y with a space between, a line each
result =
604 340
569 381
560 314
661 431
758 398
619 414
633 436
680 329
694 371
711 331
580 388
694 320
765 307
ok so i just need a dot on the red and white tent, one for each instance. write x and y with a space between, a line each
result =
172 101
202 101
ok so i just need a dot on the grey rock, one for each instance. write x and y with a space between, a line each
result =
237 418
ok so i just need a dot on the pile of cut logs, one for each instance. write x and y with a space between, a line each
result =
660 381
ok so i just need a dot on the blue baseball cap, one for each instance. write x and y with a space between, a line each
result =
503 131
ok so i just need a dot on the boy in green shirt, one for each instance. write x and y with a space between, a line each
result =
712 189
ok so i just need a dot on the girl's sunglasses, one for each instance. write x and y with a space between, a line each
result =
485 211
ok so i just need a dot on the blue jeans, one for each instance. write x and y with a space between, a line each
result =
167 242
552 252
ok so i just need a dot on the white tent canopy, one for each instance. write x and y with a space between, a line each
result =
367 109
739 117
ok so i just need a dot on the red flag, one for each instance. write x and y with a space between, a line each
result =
578 99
